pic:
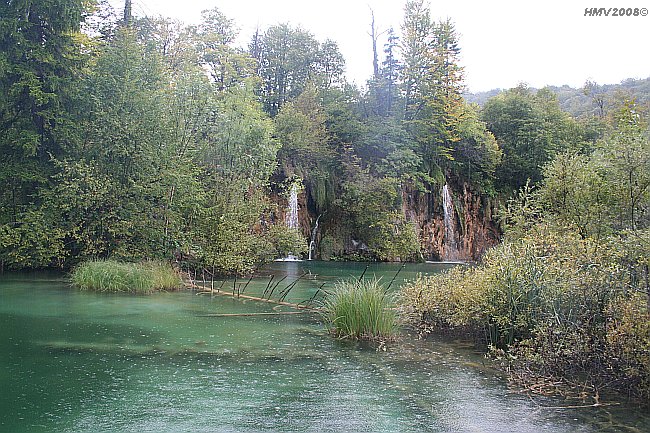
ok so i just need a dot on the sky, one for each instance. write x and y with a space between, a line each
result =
503 43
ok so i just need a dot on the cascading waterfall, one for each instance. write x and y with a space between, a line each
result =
292 218
312 243
292 215
449 241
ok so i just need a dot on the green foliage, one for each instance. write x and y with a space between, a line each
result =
530 129
500 298
609 189
477 154
36 241
227 65
374 208
300 127
448 135
289 59
360 310
239 142
287 241
559 305
628 337
119 277
40 57
224 234
388 150
566 294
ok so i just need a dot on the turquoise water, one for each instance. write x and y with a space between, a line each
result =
302 279
86 362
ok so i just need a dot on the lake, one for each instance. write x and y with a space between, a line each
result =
178 362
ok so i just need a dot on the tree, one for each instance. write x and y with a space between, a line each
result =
476 155
226 64
373 208
40 56
383 88
301 130
608 190
416 52
128 147
287 60
433 85
530 129
627 151
597 97
237 158
330 65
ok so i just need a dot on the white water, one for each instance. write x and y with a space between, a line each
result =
450 244
292 215
312 243
292 219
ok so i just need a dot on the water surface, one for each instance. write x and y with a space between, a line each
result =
86 362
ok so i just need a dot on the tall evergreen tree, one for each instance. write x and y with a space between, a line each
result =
40 56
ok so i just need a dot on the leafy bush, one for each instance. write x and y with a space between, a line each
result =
360 310
113 276
563 307
374 209
628 336
287 241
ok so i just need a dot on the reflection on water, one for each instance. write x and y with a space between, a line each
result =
86 362
298 282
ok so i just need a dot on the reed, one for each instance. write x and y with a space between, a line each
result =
117 277
360 310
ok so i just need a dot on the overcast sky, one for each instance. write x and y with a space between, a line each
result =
503 43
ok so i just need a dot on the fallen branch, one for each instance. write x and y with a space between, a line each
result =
277 313
207 291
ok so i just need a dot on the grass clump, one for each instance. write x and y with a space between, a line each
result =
116 277
360 310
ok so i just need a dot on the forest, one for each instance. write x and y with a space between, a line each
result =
136 138
143 138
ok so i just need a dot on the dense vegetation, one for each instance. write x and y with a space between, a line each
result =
144 138
131 139
147 139
566 296
592 99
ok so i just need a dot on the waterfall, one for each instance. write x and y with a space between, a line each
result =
291 219
449 241
312 243
292 216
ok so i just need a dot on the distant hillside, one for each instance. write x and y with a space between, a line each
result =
579 103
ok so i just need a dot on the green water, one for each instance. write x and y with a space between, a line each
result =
85 362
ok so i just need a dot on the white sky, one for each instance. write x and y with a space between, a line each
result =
503 42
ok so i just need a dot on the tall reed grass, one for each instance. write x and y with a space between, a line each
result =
117 277
360 310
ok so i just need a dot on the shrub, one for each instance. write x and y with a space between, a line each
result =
498 300
113 276
628 336
360 310
565 308
446 301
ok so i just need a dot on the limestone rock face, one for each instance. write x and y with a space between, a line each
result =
470 223
458 227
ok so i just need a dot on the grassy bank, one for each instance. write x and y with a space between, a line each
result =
553 308
360 310
117 277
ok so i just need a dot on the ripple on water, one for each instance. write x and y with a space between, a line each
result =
85 362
